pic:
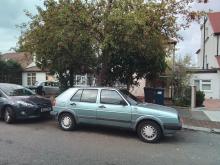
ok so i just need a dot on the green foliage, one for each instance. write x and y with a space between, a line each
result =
200 97
122 40
60 38
131 50
182 101
10 72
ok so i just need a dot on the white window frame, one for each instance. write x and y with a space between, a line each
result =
82 80
206 83
32 77
201 83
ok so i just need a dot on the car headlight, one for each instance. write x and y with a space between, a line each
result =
23 103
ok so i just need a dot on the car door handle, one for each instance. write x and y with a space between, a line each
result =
72 103
102 106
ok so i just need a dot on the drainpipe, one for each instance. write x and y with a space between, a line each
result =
203 63
217 43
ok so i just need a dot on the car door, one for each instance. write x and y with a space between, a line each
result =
84 105
56 89
48 89
113 109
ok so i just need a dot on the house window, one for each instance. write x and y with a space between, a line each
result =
206 85
203 85
81 80
31 78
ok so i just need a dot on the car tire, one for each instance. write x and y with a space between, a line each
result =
67 122
149 131
9 115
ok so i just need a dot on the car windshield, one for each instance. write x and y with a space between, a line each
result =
16 90
129 97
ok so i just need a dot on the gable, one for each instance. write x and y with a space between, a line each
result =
214 19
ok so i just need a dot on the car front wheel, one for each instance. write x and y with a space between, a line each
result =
149 131
67 122
8 115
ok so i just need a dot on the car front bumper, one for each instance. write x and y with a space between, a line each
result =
27 113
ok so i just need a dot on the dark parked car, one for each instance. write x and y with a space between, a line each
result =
18 102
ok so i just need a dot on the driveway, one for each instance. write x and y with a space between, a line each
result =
43 143
212 104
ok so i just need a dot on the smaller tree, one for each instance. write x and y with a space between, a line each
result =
10 72
180 80
181 77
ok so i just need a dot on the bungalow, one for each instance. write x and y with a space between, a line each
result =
31 73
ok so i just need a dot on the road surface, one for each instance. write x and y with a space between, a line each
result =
41 142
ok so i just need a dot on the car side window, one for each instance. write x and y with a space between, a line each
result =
77 96
89 95
111 97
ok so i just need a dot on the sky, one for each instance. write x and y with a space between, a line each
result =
12 14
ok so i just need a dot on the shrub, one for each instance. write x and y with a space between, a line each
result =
182 101
200 97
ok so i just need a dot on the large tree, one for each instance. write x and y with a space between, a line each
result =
134 36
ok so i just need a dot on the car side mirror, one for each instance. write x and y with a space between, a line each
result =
122 102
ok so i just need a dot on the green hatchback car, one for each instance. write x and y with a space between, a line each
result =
113 107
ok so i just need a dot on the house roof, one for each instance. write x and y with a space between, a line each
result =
34 69
214 19
23 58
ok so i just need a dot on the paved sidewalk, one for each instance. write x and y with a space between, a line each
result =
201 123
198 120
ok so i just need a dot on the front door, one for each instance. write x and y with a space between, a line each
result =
113 109
83 103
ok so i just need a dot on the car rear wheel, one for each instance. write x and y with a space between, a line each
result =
67 122
149 131
8 115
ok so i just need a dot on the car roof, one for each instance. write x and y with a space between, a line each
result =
86 87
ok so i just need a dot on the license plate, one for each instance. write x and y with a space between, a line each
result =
45 109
